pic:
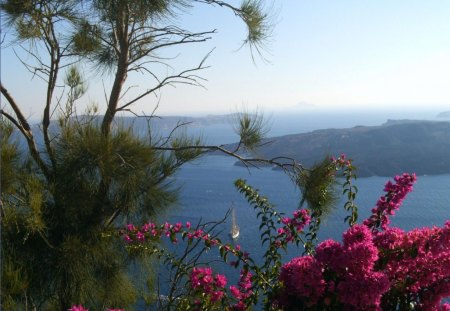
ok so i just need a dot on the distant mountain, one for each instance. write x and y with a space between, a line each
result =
395 147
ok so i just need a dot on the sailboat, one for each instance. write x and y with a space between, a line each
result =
234 232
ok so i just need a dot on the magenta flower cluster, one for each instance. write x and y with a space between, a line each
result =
371 269
342 161
243 291
417 263
293 226
302 278
353 283
211 288
136 236
389 203
151 231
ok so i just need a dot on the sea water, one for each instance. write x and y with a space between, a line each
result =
208 192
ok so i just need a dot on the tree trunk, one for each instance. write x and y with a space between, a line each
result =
121 31
119 80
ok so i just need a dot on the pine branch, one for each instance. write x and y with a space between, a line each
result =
291 163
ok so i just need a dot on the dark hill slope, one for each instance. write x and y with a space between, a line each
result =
395 147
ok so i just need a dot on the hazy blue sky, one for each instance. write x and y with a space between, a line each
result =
322 54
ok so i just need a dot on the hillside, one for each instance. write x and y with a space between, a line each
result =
422 147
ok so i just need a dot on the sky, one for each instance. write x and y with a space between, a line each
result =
322 55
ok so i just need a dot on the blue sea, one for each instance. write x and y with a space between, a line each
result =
207 193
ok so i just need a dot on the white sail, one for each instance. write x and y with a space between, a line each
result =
234 227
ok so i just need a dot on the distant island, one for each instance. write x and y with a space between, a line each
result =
444 115
395 147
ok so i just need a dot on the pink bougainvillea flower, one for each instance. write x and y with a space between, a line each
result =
221 280
235 292
445 307
391 201
217 295
303 278
363 291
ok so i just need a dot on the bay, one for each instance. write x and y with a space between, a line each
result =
207 192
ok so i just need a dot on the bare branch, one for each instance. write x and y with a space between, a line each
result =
14 121
127 90
54 68
183 77
104 91
25 129
169 137
185 37
33 69
22 121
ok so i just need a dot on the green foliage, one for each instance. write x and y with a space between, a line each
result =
33 20
270 221
77 88
10 158
23 16
56 233
183 154
86 39
15 289
349 189
256 20
139 11
316 185
123 167
251 128
122 29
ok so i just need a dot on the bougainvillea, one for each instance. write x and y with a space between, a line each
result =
243 291
211 288
302 277
208 291
389 203
376 267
